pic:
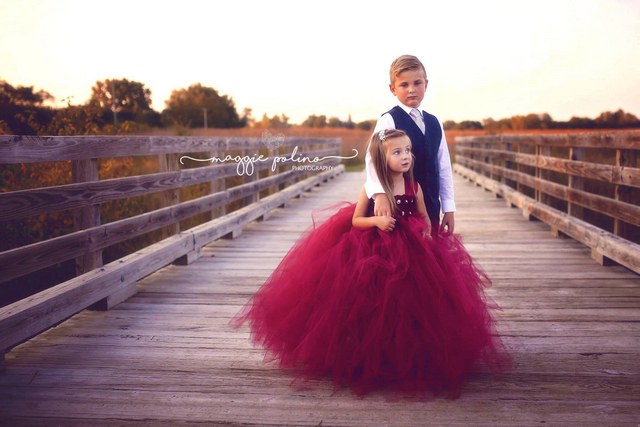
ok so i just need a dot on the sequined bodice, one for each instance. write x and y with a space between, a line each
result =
406 205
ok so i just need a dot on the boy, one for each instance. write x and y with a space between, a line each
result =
432 165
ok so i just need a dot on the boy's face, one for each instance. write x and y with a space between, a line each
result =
409 87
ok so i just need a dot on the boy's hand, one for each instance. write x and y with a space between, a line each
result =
448 223
385 223
381 205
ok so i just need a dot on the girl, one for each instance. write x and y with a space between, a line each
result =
373 302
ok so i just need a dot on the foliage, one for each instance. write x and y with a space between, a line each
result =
275 122
124 100
314 121
21 109
187 108
22 95
465 125
366 125
607 120
321 121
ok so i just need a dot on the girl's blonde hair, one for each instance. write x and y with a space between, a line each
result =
378 152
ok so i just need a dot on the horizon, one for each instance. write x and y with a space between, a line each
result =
494 59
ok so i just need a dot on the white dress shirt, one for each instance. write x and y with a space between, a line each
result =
372 185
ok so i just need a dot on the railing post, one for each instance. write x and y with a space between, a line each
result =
251 176
576 182
520 167
84 171
168 163
624 158
542 150
216 186
540 196
507 147
272 151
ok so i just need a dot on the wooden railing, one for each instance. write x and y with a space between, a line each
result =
584 185
246 179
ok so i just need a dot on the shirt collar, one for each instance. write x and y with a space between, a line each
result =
408 109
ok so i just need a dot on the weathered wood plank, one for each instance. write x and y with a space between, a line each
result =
611 139
31 149
613 174
614 208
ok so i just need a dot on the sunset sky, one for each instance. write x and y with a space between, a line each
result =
484 59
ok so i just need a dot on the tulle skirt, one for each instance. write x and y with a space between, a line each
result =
376 310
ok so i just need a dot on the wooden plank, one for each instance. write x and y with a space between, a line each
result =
600 139
86 217
31 149
613 174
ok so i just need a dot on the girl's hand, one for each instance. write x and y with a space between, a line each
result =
426 232
381 205
385 223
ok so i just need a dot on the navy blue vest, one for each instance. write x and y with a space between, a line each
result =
426 169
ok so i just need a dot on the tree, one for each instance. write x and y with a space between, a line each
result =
186 107
335 122
314 121
281 121
469 125
128 99
22 110
22 95
616 119
449 125
366 125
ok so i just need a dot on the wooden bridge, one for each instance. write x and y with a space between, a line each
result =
166 355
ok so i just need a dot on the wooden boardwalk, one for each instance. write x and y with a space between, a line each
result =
167 356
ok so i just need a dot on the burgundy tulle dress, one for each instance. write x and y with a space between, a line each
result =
376 310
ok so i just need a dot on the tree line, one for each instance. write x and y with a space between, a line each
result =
115 105
122 105
606 120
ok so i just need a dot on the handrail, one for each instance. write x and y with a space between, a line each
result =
254 193
584 185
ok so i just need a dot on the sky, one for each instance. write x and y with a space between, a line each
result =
489 58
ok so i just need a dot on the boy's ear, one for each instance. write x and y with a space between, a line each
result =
392 88
426 83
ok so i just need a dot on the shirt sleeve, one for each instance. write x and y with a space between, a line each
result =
446 176
372 184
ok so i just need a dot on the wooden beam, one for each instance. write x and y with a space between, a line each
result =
32 149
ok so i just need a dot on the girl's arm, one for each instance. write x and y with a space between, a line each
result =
363 222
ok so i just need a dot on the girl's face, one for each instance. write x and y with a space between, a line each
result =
399 154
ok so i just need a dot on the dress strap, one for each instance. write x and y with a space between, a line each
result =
409 187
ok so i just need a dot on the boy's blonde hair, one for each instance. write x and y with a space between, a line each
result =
404 63
378 151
